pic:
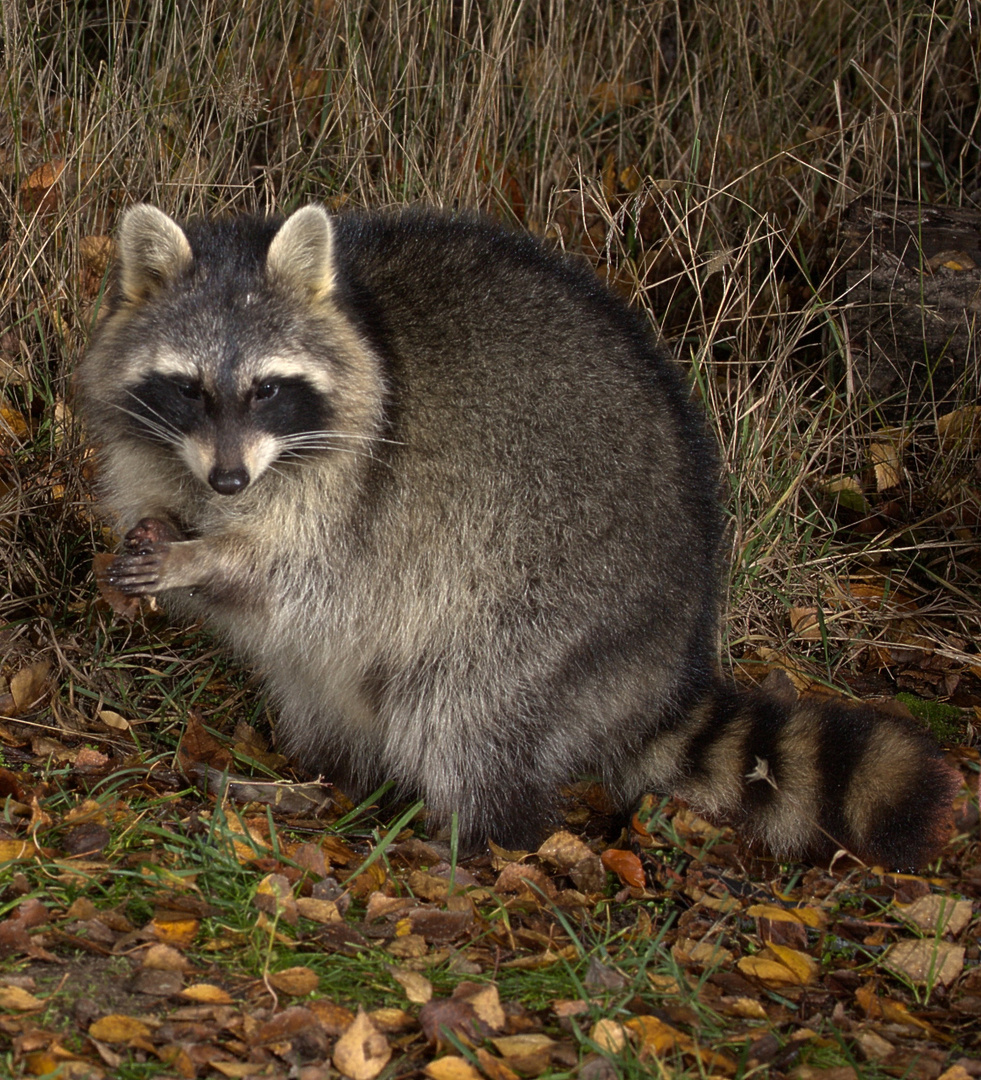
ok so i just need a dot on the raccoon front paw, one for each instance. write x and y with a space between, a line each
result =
149 531
137 573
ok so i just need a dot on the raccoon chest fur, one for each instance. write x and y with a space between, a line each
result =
446 494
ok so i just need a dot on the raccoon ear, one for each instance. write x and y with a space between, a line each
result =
153 252
301 253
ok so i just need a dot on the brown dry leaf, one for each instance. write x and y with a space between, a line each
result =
493 1068
94 253
774 660
687 951
500 857
616 94
321 911
472 1012
362 1051
126 607
418 989
29 685
511 1046
564 850
391 1020
626 866
117 1028
962 427
934 913
40 191
334 1018
236 1070
529 881
805 623
451 1068
609 1035
484 1001
165 958
895 1012
295 981
274 896
926 962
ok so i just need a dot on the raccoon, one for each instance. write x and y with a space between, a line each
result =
445 492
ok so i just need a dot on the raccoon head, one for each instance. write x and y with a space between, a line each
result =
234 353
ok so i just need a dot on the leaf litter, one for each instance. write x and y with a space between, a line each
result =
674 944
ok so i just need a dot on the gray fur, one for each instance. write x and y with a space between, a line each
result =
496 566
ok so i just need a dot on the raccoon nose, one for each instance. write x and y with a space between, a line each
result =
228 481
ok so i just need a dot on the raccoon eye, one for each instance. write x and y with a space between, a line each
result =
266 390
191 391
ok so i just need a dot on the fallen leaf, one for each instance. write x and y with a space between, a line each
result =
609 1035
493 1068
926 962
274 896
321 911
510 1046
418 989
934 913
207 993
117 1028
362 1051
564 850
626 866
885 460
295 981
451 1068
19 1000
29 685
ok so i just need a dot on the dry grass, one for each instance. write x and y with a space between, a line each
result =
698 152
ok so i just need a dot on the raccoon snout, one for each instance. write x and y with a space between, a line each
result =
229 481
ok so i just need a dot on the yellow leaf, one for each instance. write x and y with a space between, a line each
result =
885 459
177 932
14 422
657 1036
451 1068
116 1028
16 850
771 973
17 999
804 967
207 994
